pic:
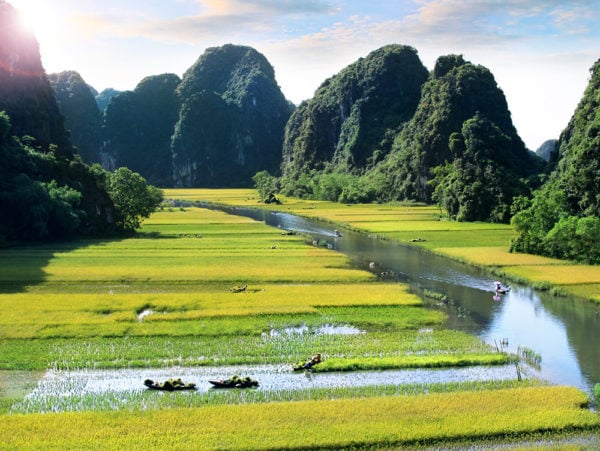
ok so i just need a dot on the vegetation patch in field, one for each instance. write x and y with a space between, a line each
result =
410 361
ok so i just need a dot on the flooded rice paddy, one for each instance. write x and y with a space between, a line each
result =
62 390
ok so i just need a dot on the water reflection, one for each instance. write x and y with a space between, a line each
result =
564 331
270 377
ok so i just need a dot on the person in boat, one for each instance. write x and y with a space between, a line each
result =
309 363
315 359
500 289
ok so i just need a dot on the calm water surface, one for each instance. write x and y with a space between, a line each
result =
564 331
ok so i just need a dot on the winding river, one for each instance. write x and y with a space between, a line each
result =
565 332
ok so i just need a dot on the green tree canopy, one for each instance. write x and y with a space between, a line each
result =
134 199
483 178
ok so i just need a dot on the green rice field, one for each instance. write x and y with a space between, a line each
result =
200 288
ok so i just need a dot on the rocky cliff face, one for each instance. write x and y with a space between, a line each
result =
103 98
231 121
456 91
546 149
82 116
138 126
25 92
347 125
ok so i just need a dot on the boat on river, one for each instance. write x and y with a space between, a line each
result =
170 385
500 289
234 382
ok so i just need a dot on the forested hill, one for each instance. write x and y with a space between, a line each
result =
231 121
460 148
25 92
138 126
218 126
385 129
563 218
348 123
456 92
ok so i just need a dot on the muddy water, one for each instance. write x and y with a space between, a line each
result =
564 331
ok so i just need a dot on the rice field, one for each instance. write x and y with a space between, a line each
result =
384 421
171 297
481 244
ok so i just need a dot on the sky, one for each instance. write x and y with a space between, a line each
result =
540 52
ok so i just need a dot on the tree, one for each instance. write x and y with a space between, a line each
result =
267 187
134 199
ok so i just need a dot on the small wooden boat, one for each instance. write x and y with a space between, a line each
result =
169 385
234 382
238 289
314 360
501 289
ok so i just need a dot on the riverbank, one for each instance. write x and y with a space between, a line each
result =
480 244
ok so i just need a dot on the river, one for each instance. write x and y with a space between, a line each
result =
564 331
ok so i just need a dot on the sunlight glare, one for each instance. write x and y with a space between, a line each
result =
39 18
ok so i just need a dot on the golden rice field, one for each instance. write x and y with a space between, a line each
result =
382 422
163 298
481 244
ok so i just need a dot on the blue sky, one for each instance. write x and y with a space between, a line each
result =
539 51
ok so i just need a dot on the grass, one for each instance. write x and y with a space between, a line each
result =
167 351
384 421
410 361
80 306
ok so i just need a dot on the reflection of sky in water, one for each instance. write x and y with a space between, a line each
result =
270 377
522 319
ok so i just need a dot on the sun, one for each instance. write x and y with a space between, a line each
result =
36 17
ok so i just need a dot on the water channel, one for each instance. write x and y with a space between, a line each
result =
565 332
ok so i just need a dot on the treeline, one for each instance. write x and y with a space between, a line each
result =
44 196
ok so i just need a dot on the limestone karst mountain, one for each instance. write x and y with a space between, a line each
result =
231 121
82 116
138 126
348 123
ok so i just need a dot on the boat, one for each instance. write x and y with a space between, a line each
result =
169 385
501 289
238 289
235 382
314 360
337 233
